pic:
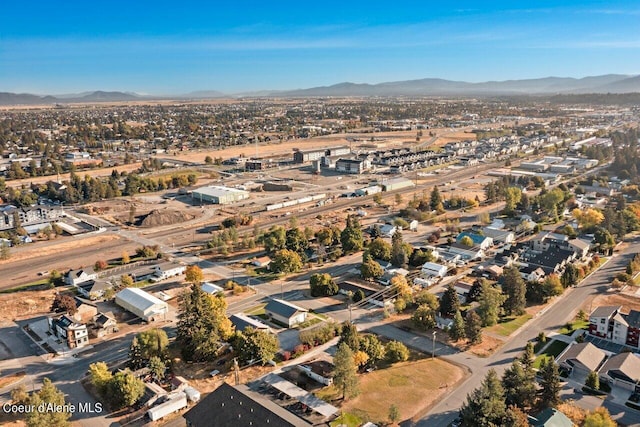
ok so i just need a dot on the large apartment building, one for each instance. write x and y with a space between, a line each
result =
609 323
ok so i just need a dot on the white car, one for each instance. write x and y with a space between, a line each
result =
214 373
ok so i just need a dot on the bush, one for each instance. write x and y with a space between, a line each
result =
286 355
396 352
298 351
319 335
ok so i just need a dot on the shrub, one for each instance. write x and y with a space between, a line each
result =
396 352
286 355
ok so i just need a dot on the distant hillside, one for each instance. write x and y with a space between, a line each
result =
7 98
613 83
548 86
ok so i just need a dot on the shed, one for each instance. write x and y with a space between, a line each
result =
142 304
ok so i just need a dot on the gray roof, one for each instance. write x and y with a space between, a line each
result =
623 365
138 298
283 308
242 321
551 417
605 311
585 354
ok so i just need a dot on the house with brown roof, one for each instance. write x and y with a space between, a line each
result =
622 370
582 358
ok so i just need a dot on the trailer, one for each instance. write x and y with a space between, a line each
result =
172 405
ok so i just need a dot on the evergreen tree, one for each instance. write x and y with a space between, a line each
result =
570 276
136 361
519 386
399 257
527 358
449 302
473 327
514 289
489 304
435 201
550 383
485 406
350 336
457 331
351 237
345 372
515 417
593 381
157 367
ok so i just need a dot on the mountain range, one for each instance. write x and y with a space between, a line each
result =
610 83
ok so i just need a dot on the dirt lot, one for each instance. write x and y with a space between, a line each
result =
25 304
40 251
628 301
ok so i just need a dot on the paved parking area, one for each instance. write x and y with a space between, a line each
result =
605 344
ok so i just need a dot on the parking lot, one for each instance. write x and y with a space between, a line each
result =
606 345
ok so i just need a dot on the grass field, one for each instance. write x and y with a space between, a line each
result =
510 325
397 385
571 327
552 350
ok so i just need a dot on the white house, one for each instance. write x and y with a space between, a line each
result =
75 277
432 269
499 236
388 230
210 288
168 269
142 304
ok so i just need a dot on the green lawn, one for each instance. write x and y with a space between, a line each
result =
571 327
509 324
347 419
552 351
257 310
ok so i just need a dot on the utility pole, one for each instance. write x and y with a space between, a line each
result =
433 348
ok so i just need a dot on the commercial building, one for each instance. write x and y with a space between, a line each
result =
219 195
142 304
354 166
432 269
396 184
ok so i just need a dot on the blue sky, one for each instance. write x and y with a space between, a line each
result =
163 47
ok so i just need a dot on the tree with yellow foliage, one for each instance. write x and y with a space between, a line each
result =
588 218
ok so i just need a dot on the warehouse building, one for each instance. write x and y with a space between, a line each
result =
219 195
142 304
396 184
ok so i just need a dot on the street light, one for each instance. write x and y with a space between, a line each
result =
433 348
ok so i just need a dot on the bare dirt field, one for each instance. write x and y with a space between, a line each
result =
628 301
25 304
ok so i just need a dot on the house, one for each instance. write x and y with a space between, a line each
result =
318 370
388 230
285 312
432 269
622 370
551 260
261 262
579 247
167 270
550 417
65 327
483 242
582 358
142 304
386 265
494 271
210 288
385 280
466 253
462 289
103 324
532 273
545 239
75 277
94 289
242 321
499 235
227 404
85 310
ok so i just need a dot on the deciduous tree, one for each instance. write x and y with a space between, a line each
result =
193 274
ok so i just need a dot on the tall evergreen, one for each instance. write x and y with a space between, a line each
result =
449 302
514 289
519 386
457 331
550 383
345 373
485 406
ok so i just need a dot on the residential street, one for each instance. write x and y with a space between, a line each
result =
548 320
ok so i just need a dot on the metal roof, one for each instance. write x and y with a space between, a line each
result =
290 389
138 298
